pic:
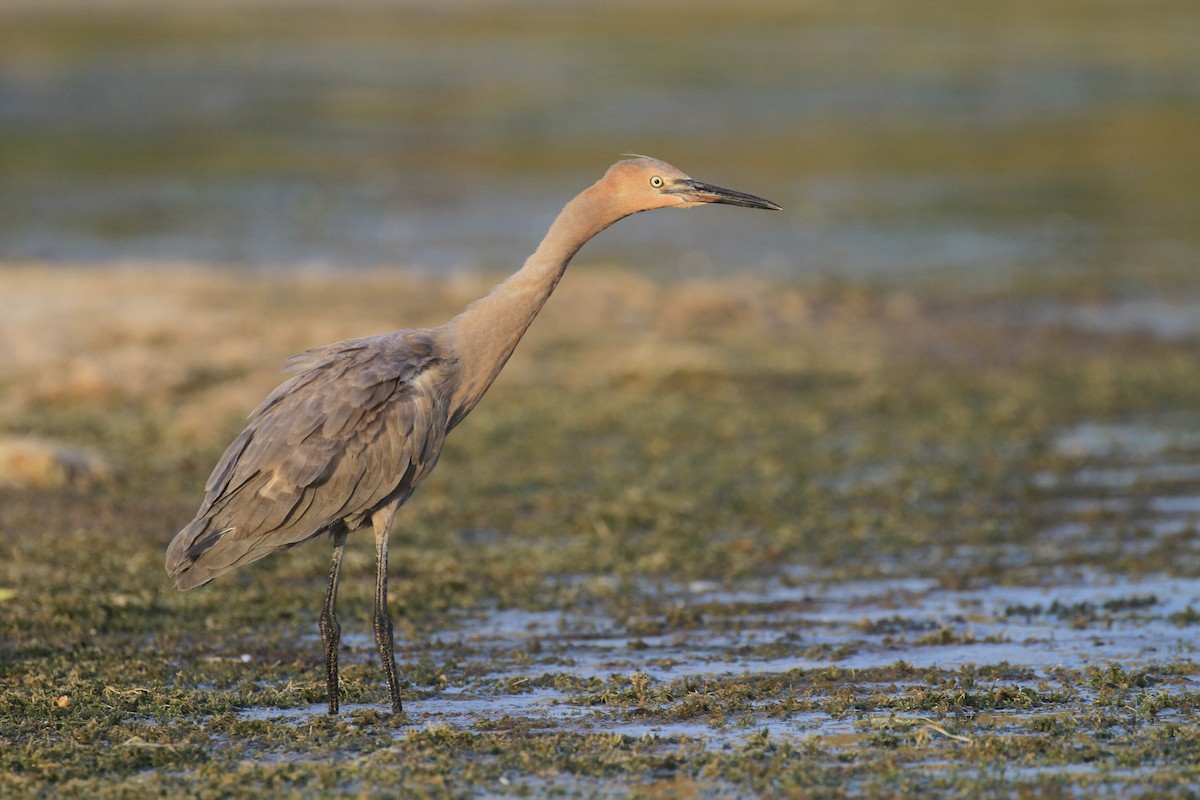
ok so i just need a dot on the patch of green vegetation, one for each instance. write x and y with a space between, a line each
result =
624 519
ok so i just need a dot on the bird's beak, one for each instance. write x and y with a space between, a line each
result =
707 193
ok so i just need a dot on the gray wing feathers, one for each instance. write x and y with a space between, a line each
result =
359 426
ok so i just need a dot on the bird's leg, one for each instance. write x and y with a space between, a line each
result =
331 631
382 521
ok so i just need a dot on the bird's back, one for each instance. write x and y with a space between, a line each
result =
359 426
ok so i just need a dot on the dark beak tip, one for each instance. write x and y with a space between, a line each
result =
716 194
749 201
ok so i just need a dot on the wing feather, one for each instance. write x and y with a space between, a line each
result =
360 425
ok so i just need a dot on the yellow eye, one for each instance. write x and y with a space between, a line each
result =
656 182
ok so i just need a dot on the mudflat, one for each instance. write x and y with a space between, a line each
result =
707 538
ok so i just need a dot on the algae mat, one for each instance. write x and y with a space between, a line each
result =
708 539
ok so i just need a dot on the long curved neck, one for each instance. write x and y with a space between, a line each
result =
484 336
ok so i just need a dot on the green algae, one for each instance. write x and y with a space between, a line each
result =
877 566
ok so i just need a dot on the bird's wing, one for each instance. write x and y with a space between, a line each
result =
360 424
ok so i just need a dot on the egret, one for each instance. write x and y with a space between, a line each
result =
350 436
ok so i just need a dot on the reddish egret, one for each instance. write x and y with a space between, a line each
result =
349 437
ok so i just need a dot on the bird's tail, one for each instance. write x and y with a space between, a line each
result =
185 562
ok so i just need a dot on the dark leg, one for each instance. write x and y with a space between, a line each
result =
382 521
331 631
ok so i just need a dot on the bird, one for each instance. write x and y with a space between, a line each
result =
347 439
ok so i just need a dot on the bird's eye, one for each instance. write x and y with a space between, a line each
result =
656 182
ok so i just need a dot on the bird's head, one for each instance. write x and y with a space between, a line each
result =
645 183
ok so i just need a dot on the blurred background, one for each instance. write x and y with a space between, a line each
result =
986 143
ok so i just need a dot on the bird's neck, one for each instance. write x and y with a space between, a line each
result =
485 335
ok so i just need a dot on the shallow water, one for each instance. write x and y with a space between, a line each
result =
1039 631
333 137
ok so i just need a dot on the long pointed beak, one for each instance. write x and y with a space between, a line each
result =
707 193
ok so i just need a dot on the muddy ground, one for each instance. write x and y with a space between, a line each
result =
708 539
